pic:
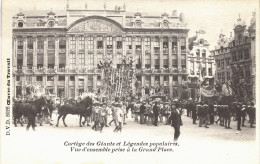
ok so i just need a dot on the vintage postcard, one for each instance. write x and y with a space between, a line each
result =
129 81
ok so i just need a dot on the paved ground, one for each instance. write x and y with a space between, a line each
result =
197 145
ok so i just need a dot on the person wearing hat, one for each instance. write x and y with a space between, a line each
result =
193 112
118 117
238 108
227 117
155 113
142 110
251 114
175 121
96 116
200 114
244 111
206 114
211 113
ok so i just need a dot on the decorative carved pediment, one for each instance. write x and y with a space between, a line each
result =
95 25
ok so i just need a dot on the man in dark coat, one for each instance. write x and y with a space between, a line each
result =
31 114
142 110
175 121
156 114
211 113
238 108
194 112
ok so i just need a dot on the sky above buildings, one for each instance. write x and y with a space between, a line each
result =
213 16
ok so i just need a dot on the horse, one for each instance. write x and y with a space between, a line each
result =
24 109
83 109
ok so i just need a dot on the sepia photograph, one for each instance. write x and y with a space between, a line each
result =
120 81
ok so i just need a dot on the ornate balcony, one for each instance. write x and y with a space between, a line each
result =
129 51
90 51
20 51
100 51
148 51
166 83
119 51
50 70
81 83
50 83
61 83
62 50
166 51
174 51
109 51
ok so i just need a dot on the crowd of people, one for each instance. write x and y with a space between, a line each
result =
209 112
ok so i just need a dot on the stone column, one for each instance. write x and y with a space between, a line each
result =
67 52
114 49
25 51
161 52
134 65
124 45
66 87
143 52
152 51
85 82
56 84
105 45
14 59
179 51
95 82
170 53
170 85
77 52
56 65
133 48
35 52
76 86
143 83
86 51
45 55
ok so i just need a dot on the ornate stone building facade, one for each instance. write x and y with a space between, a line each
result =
239 50
201 63
60 50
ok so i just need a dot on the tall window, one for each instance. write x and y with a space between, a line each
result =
222 63
234 56
175 63
183 44
40 43
109 42
218 63
165 63
90 43
219 77
81 60
72 61
138 43
72 42
51 43
157 63
81 43
119 42
62 42
29 60
30 43
240 55
246 54
183 61
174 45
228 76
20 43
156 45
223 77
227 61
90 60
40 60
147 42
99 42
147 63
165 43
129 42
